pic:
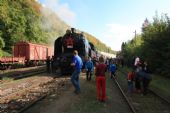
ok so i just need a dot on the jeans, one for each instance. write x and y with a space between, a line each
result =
75 79
88 74
130 86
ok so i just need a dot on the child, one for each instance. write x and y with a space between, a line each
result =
130 79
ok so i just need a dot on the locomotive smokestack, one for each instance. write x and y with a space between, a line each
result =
73 30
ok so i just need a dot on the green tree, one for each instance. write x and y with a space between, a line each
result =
156 40
153 45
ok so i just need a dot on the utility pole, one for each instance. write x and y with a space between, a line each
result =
135 34
135 38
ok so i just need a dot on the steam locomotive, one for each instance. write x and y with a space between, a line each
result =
64 47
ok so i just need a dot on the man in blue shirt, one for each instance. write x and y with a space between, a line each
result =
77 63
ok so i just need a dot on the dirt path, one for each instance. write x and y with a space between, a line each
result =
68 102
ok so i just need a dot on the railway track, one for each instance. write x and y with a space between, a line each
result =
111 103
24 75
150 103
26 93
19 74
125 97
52 86
33 96
159 96
153 92
19 89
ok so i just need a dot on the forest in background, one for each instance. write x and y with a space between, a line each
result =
152 45
27 20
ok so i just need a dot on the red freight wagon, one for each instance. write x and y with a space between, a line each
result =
32 52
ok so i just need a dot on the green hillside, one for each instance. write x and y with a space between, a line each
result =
27 20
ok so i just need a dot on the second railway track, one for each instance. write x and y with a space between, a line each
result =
27 92
150 103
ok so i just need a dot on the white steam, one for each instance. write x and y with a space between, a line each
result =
62 10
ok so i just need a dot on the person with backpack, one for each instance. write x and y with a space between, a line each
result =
89 67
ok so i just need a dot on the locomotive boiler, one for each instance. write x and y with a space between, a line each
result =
64 47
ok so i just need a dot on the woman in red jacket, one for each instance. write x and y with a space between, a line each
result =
100 79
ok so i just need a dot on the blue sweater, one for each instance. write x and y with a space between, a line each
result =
89 65
112 68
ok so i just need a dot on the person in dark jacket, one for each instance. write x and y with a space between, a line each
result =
146 77
52 65
138 78
48 64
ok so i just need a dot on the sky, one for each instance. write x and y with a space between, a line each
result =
110 21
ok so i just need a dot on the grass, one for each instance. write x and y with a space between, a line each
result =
161 85
86 102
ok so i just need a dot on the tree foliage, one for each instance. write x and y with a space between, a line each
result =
99 45
27 20
153 45
22 20
156 38
131 49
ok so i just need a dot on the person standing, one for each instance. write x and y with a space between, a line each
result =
112 69
146 77
77 63
101 68
48 64
107 63
130 79
89 68
52 65
136 63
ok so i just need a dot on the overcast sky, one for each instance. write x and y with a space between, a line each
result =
111 21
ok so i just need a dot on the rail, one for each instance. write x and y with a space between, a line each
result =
125 97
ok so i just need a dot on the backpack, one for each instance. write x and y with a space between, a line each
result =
89 65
